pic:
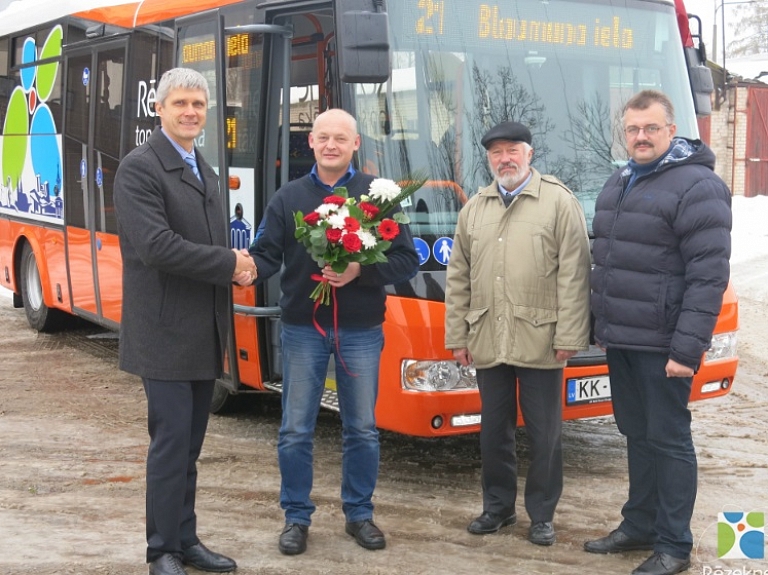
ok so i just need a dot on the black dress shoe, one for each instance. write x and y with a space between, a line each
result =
366 534
166 564
200 557
616 542
490 523
662 564
542 533
293 539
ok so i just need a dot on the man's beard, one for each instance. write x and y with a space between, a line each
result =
511 181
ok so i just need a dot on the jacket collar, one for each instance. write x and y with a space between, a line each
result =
171 160
533 188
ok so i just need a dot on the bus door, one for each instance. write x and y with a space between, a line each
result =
252 56
92 129
280 75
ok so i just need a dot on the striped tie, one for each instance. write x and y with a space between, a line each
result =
192 163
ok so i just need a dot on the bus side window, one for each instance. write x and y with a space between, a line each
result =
301 158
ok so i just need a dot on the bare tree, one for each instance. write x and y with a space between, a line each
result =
750 25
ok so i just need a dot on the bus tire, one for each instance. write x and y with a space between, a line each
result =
223 401
40 316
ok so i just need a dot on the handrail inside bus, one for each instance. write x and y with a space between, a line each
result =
270 311
286 31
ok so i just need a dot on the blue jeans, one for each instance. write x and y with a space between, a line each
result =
305 364
651 410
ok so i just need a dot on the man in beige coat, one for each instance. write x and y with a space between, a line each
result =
517 305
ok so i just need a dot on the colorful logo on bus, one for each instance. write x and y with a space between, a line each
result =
741 535
31 147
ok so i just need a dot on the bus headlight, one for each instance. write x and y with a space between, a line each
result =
723 346
444 375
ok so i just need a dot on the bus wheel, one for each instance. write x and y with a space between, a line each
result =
224 401
39 315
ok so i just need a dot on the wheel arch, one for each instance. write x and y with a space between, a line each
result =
30 238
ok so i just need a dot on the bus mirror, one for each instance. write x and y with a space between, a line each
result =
363 46
702 87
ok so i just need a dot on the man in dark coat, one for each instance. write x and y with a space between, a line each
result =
175 318
662 244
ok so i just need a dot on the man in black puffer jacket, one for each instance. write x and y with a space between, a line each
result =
662 244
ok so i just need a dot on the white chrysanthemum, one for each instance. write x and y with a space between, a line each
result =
337 220
368 239
325 209
384 190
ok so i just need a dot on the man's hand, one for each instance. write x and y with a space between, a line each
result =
245 268
564 354
675 369
342 279
243 278
463 356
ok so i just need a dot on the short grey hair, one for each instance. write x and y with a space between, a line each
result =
184 78
647 98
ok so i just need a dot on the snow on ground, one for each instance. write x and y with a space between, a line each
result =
749 238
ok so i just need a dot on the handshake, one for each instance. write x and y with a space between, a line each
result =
245 268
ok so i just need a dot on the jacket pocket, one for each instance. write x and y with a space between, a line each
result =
170 299
479 336
661 306
534 334
539 255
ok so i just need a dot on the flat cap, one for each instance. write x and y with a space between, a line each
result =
512 131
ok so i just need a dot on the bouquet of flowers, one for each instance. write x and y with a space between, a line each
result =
342 230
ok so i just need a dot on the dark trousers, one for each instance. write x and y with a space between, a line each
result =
540 393
651 410
177 417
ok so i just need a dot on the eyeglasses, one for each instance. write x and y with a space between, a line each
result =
650 129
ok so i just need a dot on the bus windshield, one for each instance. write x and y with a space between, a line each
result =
564 68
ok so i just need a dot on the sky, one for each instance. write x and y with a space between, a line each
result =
705 9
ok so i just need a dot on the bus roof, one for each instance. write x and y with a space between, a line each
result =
23 14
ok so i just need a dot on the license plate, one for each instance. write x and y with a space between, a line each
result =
588 390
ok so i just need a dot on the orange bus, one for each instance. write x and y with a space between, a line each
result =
424 78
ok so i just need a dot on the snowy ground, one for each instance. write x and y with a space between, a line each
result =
750 228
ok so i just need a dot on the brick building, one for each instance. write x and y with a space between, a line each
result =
737 131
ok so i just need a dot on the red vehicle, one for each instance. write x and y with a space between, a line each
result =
424 78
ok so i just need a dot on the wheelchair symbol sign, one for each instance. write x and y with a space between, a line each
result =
442 249
422 248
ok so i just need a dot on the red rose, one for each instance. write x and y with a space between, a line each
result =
388 230
333 235
370 210
351 225
335 200
312 218
352 243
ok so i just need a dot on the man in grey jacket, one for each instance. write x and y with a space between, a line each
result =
662 244
517 305
175 317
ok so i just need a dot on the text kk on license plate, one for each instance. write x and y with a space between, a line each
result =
588 390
